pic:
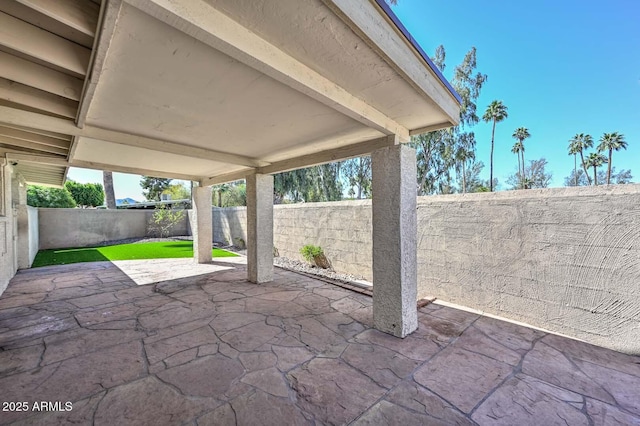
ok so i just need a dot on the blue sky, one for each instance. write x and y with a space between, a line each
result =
562 67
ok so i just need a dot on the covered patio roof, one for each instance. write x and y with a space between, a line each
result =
208 91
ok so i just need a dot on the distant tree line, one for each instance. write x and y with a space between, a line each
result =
73 194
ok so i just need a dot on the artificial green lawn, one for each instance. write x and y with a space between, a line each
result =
162 250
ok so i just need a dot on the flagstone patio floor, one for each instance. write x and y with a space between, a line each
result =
214 349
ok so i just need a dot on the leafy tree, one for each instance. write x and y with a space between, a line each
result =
579 144
312 184
440 152
465 151
217 192
579 178
237 195
535 176
107 179
230 194
496 112
595 160
153 187
42 196
85 194
178 191
471 179
520 134
610 142
357 172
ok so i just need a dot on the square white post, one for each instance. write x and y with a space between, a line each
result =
260 228
202 224
394 240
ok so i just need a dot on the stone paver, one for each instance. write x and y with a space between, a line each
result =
214 349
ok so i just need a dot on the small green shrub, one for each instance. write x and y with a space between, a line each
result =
310 252
164 219
240 243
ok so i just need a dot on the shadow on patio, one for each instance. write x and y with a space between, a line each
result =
215 349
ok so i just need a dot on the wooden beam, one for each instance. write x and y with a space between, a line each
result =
328 156
37 99
212 27
15 117
432 128
132 170
40 77
6 140
38 159
53 135
50 17
34 42
33 137
16 150
322 157
80 15
226 177
109 17
38 174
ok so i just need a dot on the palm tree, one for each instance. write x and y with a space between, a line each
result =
463 155
107 179
521 133
516 149
575 149
595 160
496 112
610 142
582 142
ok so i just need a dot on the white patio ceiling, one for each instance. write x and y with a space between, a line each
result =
207 90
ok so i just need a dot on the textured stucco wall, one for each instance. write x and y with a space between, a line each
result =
60 228
229 225
564 259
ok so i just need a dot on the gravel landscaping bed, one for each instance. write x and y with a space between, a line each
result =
296 265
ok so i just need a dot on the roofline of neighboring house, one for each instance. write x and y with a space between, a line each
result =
387 9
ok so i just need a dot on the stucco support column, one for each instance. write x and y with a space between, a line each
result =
260 228
394 240
202 224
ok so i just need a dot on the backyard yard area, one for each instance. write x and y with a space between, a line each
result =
130 251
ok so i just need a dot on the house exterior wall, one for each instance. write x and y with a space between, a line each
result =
8 261
28 235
